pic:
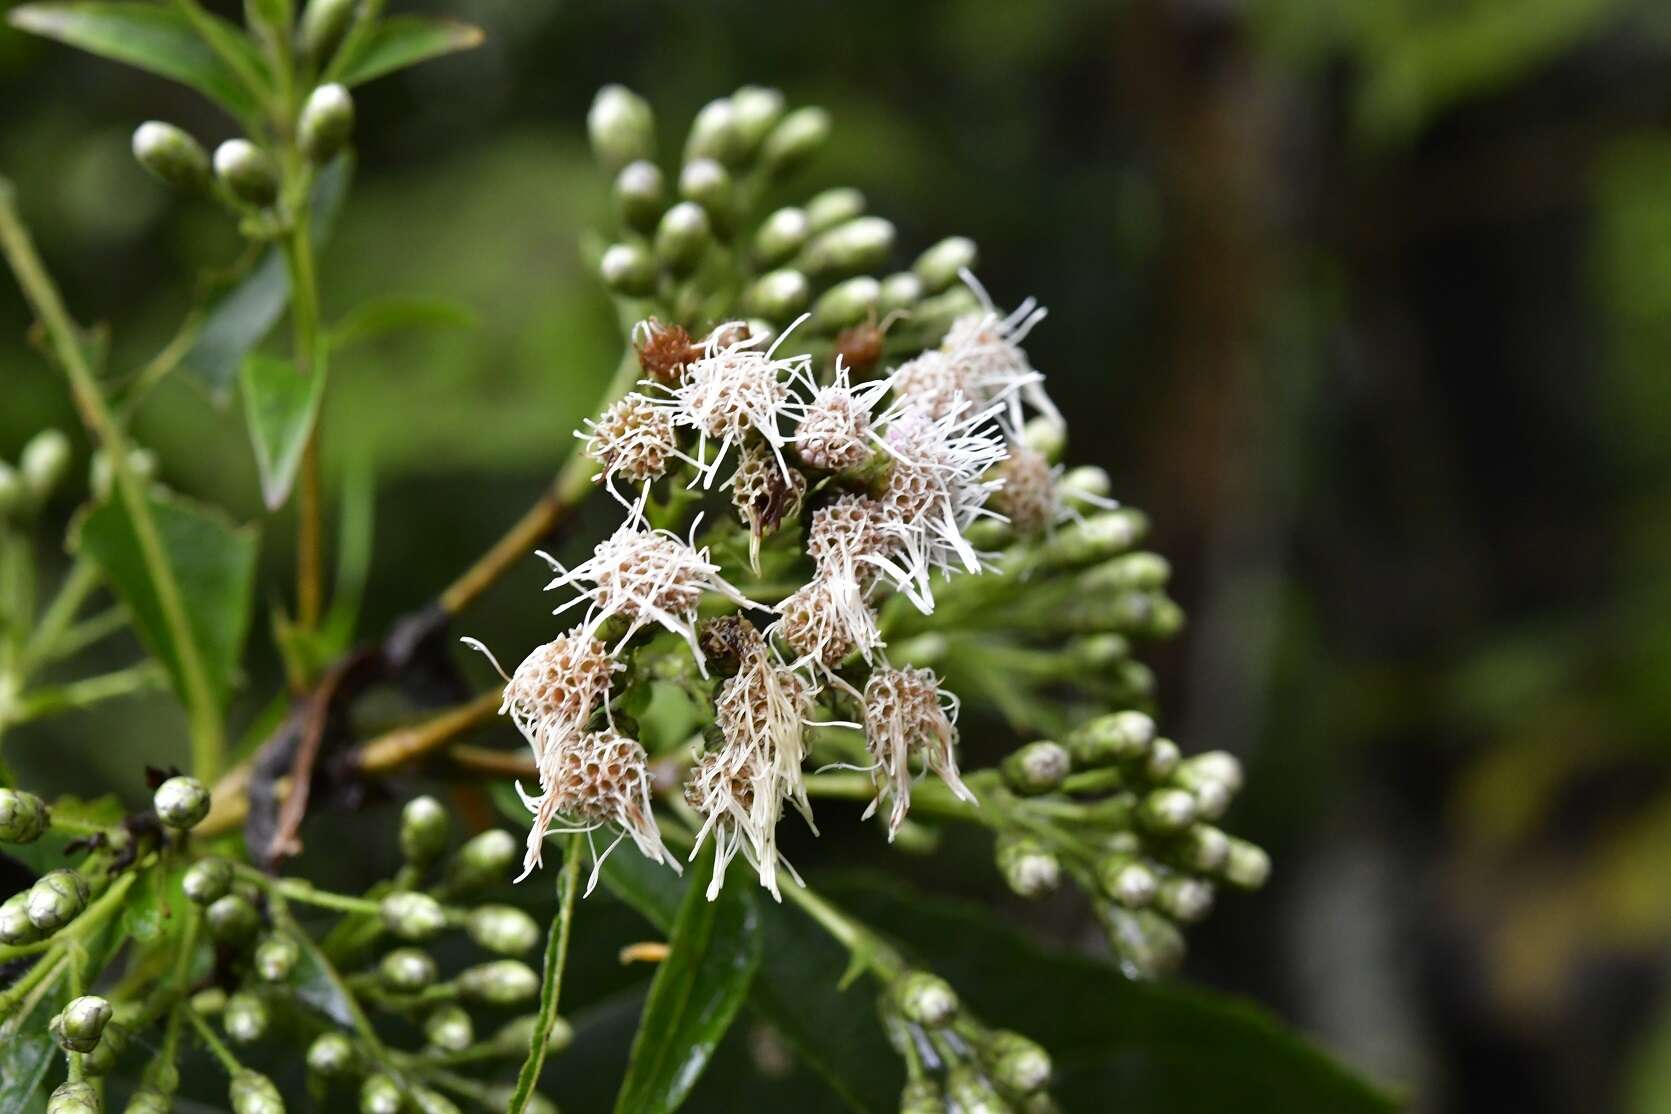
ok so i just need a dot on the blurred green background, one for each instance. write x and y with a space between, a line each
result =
1367 302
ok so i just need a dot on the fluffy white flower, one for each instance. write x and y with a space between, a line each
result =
634 439
986 348
908 716
832 428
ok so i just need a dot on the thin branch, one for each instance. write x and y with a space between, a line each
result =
551 985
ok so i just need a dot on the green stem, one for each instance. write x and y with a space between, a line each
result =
89 631
87 691
304 315
305 892
207 731
82 580
221 1052
556 955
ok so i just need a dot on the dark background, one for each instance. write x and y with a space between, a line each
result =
1367 303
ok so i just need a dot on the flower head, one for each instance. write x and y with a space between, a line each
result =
908 716
633 439
764 496
832 429
664 351
735 390
594 779
986 345
827 619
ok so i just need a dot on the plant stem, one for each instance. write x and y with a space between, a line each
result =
404 744
207 731
55 621
304 316
556 955
221 1052
296 889
858 939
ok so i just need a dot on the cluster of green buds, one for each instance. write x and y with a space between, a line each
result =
40 468
955 1062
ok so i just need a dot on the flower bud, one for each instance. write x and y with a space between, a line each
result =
1212 765
324 22
423 830
628 270
795 138
1247 866
23 816
232 919
15 926
900 291
1203 849
209 1002
13 499
148 1101
56 899
832 207
326 122
622 127
922 1096
331 1055
861 244
1037 768
484 859
380 1094
142 465
44 461
781 234
972 1093
514 1037
754 112
1088 480
245 1018
1101 535
407 970
1046 436
74 1098
449 1028
1017 1063
1168 810
1147 944
253 1093
181 802
1184 899
82 1023
708 184
714 134
925 998
846 302
172 155
247 171
1128 572
275 958
426 1101
207 881
504 982
938 267
496 1097
504 929
112 1044
778 295
682 236
1029 868
1127 879
1163 760
413 916
640 194
1118 737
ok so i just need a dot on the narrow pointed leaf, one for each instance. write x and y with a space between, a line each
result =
280 406
214 564
153 37
400 42
398 313
27 1054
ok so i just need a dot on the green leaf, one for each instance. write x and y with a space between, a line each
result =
398 313
155 37
714 949
280 405
154 905
318 985
398 43
214 564
26 1056
244 315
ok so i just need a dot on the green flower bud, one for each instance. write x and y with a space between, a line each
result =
514 1037
1119 737
1203 849
640 195
938 267
324 22
207 881
424 828
1247 866
425 1101
380 1094
1146 943
504 982
922 1096
407 970
23 816
795 138
450 1029
81 1024
628 270
247 171
484 859
413 916
245 1018
1017 1063
13 499
1046 436
208 1002
1184 899
1128 572
15 926
232 919
682 237
331 1055
172 155
1090 480
253 1093
44 461
900 291
111 1045
1037 767
496 1097
1212 765
779 295
504 929
1127 879
972 1092
832 207
846 303
714 134
142 465
1100 535
181 802
1029 867
754 112
622 127
56 899
148 1101
275 957
326 122
74 1098
1164 757
1168 810
925 998
860 244
781 234
707 183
